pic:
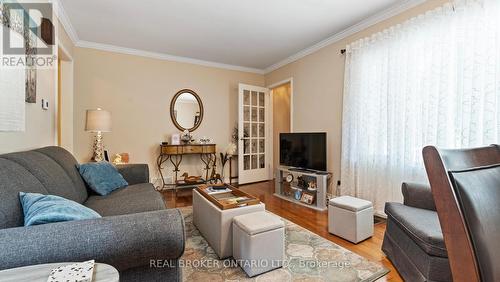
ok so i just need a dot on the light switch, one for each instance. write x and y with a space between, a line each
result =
45 104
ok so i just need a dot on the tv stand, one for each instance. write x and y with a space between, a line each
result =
307 188
298 169
306 170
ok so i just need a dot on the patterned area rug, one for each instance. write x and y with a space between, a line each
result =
308 257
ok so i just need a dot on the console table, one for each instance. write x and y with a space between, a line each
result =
207 153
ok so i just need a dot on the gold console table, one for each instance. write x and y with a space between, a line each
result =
207 153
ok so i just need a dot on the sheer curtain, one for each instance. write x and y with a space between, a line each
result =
434 80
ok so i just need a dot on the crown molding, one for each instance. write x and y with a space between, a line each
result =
71 31
377 18
163 56
65 22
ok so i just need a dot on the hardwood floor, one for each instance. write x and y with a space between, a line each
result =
313 220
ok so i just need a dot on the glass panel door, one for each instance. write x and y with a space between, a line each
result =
253 109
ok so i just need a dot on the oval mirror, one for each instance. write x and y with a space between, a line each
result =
186 110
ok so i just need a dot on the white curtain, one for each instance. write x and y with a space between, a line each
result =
434 80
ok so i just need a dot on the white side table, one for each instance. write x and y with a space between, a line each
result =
40 273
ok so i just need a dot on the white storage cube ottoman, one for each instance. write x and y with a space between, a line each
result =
258 242
350 218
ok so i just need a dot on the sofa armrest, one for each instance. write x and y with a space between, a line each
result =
134 173
125 241
418 196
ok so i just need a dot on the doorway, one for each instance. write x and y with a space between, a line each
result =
64 113
282 116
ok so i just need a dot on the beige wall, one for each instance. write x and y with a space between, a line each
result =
281 117
318 82
137 91
40 124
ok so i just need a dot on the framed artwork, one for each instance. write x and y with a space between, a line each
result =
15 21
12 82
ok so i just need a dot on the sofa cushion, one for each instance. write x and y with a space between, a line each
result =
131 199
421 225
42 209
50 173
13 179
66 160
102 177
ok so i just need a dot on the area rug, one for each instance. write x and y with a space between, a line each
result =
308 258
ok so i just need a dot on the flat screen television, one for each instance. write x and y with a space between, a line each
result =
303 150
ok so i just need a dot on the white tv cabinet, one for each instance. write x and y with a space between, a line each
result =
299 185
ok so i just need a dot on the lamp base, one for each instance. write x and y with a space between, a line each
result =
98 147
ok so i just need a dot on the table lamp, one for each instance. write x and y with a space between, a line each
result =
98 121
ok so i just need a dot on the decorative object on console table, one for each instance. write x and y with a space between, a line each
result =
191 179
176 139
205 140
98 121
186 137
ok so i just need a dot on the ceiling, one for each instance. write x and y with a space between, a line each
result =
253 35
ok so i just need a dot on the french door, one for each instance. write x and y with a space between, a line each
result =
253 131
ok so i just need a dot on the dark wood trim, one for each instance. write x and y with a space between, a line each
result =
438 164
172 106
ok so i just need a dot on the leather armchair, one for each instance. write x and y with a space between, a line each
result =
466 186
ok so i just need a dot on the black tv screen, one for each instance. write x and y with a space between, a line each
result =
303 150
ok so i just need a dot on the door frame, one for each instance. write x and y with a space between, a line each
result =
65 70
271 119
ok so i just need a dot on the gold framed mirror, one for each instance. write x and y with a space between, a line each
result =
186 110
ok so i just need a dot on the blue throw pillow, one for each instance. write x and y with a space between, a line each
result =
102 177
41 209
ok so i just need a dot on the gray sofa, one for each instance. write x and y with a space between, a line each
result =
135 227
413 240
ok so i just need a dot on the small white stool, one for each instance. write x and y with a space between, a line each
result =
350 218
258 242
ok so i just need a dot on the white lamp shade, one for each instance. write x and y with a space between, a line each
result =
98 120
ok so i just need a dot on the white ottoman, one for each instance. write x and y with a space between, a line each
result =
258 242
350 218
